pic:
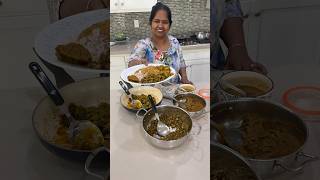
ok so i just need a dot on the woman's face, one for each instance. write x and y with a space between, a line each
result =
160 24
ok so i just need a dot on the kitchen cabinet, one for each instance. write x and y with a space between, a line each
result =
281 32
122 6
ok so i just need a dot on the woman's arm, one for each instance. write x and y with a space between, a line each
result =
233 36
138 54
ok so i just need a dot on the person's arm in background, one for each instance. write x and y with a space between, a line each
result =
183 67
233 36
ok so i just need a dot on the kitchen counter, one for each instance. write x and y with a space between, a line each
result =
134 158
126 48
285 77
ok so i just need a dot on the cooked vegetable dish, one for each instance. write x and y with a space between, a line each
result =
143 99
190 103
173 120
99 115
151 74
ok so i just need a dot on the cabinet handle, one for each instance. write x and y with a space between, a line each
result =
246 16
257 14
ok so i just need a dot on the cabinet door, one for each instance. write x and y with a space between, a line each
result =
119 6
286 32
16 41
13 7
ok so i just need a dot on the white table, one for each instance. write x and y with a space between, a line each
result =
22 155
132 157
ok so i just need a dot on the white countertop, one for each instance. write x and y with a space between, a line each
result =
132 157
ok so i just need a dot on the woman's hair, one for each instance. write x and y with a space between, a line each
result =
156 8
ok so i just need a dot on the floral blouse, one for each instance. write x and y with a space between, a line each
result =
221 10
173 57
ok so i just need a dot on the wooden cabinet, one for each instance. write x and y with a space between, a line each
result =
121 6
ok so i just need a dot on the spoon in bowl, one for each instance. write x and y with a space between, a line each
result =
233 87
162 128
134 102
81 133
229 136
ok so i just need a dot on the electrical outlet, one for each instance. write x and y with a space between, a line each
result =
136 23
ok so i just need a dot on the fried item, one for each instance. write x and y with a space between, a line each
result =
94 42
99 115
133 78
73 53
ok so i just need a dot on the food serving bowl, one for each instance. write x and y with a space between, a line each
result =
147 116
139 90
271 113
254 84
227 163
195 99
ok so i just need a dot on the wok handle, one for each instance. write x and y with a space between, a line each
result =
88 162
124 88
139 114
301 166
49 87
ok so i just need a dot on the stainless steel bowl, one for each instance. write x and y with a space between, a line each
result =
146 116
248 78
275 112
196 113
224 158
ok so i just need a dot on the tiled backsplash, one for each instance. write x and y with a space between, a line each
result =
188 16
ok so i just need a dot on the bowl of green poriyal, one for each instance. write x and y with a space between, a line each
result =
175 117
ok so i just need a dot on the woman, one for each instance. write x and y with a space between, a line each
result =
160 47
226 23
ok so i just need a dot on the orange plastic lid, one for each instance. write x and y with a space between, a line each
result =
303 99
205 93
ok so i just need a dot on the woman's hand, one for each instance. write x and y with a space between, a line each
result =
185 81
238 59
137 62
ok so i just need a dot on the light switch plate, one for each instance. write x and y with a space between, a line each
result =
136 23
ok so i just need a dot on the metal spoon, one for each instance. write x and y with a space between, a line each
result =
134 102
162 128
231 86
81 133
231 137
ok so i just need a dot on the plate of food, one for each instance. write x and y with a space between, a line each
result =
79 42
141 93
150 74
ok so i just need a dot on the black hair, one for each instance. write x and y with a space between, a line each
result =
156 8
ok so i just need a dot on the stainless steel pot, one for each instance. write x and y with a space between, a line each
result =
223 157
200 35
146 116
275 112
192 114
